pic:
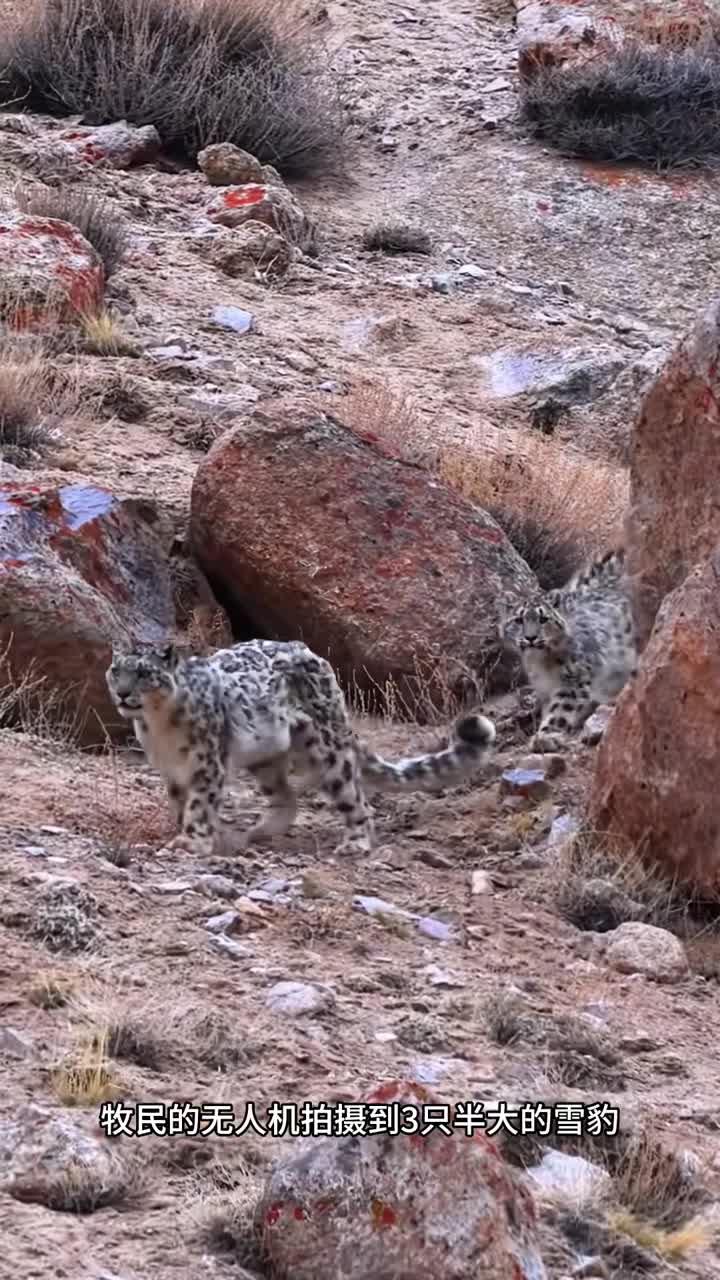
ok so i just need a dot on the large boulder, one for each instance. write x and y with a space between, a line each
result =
79 568
654 789
399 1205
674 512
49 271
310 532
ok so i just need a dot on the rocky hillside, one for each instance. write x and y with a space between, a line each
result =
395 343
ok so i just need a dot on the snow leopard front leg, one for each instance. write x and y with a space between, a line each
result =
565 712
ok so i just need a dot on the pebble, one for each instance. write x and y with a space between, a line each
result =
222 923
216 886
480 883
174 886
13 1044
436 929
234 318
530 783
379 907
229 947
295 998
443 977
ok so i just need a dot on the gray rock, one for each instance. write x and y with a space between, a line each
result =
595 726
437 929
216 886
234 318
229 947
572 377
645 949
379 907
223 923
297 998
13 1044
530 783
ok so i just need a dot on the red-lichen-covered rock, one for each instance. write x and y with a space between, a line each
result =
399 1206
48 269
116 146
260 202
658 763
79 568
313 533
674 509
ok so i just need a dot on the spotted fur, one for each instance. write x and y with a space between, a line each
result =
577 647
261 706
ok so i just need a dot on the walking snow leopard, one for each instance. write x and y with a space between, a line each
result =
577 647
260 706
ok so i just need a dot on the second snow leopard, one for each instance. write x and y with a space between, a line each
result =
260 706
577 647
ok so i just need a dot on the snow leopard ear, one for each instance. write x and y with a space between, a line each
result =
169 656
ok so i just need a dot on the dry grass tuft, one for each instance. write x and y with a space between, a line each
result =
84 1188
86 1079
103 335
51 990
226 1221
653 1185
98 221
384 417
396 237
26 393
249 72
673 1245
557 508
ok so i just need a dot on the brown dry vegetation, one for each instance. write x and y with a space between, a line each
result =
558 508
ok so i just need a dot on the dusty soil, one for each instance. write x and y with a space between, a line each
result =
573 262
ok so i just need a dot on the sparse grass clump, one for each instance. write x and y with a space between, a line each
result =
557 508
226 1221
85 1079
396 237
97 221
243 71
85 1187
24 392
103 335
657 104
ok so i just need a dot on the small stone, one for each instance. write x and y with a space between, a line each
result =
551 765
443 977
34 851
296 998
234 318
229 947
471 272
174 886
638 1042
562 830
595 726
379 907
300 361
273 886
530 783
226 165
216 886
313 886
432 1070
223 923
480 883
13 1044
432 858
384 1037
436 929
442 282
645 949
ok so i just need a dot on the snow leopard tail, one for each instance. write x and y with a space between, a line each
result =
602 576
471 742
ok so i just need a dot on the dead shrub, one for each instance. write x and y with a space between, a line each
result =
558 509
396 237
24 392
226 1221
652 98
243 71
95 219
383 416
84 1188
